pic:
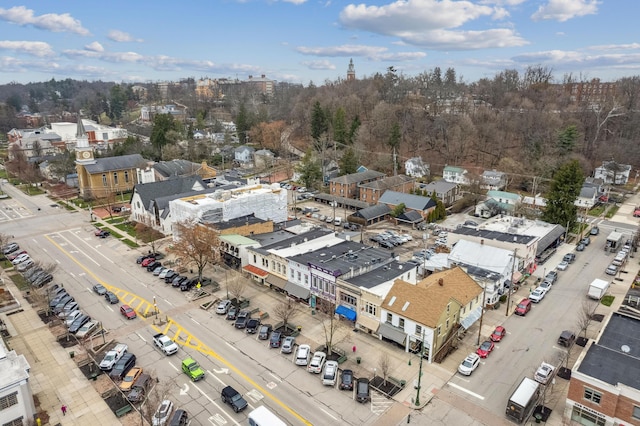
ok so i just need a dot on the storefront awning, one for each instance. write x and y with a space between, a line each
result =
517 276
368 322
276 281
391 333
254 270
348 313
474 316
297 291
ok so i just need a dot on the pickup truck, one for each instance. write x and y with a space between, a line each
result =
113 356
165 344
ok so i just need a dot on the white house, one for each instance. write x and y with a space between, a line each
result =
613 173
16 395
243 154
416 168
455 175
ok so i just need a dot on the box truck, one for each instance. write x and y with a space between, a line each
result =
523 400
614 242
597 289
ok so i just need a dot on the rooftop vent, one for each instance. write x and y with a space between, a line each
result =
440 282
625 349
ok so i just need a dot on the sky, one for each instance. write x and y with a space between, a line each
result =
303 41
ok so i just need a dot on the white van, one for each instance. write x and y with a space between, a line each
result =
337 221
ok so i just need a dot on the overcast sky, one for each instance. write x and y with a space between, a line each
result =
307 40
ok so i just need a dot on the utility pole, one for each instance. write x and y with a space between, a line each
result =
420 371
513 270
484 295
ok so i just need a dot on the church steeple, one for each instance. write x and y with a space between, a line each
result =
84 153
351 71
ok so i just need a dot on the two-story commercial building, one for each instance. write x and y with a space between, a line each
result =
347 186
371 192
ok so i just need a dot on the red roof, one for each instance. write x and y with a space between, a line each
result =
255 271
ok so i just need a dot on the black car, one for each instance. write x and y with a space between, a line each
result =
103 234
362 390
170 276
42 280
53 302
346 380
189 284
180 418
265 330
252 326
242 319
386 244
122 367
177 282
232 313
79 322
111 298
276 339
99 289
233 398
153 265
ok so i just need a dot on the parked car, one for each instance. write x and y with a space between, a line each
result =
179 279
232 313
43 279
523 307
586 241
546 285
13 256
10 248
346 380
223 307
128 312
552 276
330 373
302 356
103 234
544 373
498 334
162 275
79 322
580 247
99 289
139 388
161 416
21 258
179 418
153 265
127 383
111 298
317 362
158 270
274 342
469 364
170 277
122 367
594 230
232 397
252 325
562 266
71 317
611 269
362 390
537 295
566 339
287 344
485 348
569 257
265 331
147 261
68 308
242 319
29 263
87 329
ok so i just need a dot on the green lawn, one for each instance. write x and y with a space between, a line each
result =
607 300
19 281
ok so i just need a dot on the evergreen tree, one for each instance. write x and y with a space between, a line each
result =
162 123
243 123
340 127
309 170
565 188
348 162
319 124
567 139
353 130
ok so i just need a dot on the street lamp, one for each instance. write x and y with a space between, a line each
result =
155 307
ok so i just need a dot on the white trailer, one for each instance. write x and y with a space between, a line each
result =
597 289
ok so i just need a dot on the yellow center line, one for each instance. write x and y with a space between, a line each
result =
190 337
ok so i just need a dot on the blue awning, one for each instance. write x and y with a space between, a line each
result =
471 318
348 313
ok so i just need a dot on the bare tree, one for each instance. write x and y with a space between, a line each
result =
333 329
157 392
585 316
197 244
286 311
236 286
384 362
147 233
49 267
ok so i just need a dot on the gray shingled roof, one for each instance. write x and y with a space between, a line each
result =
373 212
176 168
110 164
388 182
411 201
172 188
439 186
358 177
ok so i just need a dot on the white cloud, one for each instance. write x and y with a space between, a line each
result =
432 24
58 23
296 2
563 10
94 47
610 47
35 48
319 65
344 50
121 36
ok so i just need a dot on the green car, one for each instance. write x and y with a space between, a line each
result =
191 368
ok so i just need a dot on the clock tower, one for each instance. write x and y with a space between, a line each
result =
84 153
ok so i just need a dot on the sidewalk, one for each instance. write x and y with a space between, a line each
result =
55 378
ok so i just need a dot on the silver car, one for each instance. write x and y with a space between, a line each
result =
287 345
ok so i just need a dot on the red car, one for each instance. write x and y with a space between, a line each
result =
128 312
147 261
498 334
485 348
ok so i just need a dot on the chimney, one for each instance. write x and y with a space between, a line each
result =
481 242
440 282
